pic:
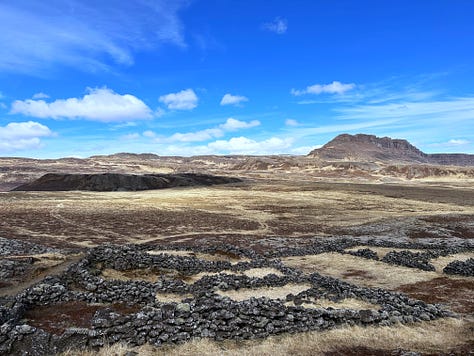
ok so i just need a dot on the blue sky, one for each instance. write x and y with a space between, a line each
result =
81 77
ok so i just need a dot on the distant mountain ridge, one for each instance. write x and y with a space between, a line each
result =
370 148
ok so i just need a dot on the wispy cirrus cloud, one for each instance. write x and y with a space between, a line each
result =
440 111
88 36
99 104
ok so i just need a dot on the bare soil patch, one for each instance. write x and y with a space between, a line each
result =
456 293
57 318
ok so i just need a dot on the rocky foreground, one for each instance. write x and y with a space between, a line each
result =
139 294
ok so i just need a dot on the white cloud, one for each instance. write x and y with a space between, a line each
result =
304 150
451 143
229 99
149 134
449 110
210 133
278 25
102 105
89 36
459 142
183 100
202 135
332 88
40 96
244 145
18 136
233 124
291 122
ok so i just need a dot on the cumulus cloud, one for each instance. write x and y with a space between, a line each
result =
202 135
102 105
230 125
304 150
291 122
40 96
86 35
233 124
244 145
229 99
149 134
451 143
332 88
183 100
17 136
278 25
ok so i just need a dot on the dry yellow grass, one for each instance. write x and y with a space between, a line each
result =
348 303
443 261
139 274
429 337
261 272
69 216
268 292
359 270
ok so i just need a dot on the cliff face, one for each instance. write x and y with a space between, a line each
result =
370 148
452 159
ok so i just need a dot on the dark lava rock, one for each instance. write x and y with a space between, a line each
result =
409 259
463 268
109 182
365 253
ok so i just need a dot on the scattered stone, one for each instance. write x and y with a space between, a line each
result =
410 259
463 268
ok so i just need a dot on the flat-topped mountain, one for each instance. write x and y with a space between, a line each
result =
108 182
370 148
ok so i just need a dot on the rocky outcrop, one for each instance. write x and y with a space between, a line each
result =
452 159
370 148
107 182
363 147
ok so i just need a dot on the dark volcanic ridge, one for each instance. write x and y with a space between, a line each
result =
370 148
109 182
